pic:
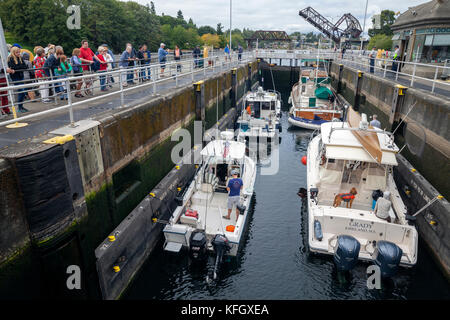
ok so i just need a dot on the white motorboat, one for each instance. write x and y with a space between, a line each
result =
260 117
313 101
355 155
198 223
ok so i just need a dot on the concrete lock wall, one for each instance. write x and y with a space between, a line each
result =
434 222
120 156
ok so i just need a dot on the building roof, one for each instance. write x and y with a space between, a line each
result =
432 12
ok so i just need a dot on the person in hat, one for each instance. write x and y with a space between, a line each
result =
234 193
383 206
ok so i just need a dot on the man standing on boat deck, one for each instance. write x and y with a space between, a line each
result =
383 206
375 123
234 188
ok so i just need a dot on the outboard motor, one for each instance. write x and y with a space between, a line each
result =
346 252
197 245
387 256
302 193
221 246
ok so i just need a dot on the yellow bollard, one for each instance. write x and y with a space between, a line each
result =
17 124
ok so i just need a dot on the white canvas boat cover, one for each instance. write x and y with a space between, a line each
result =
218 149
358 154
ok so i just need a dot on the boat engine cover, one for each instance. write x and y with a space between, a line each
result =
346 252
197 244
387 256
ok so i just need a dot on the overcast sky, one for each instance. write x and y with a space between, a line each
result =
274 14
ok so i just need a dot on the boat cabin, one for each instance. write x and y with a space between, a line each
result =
260 105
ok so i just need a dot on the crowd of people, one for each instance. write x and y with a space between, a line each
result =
51 63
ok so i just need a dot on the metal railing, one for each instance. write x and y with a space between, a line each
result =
362 61
154 75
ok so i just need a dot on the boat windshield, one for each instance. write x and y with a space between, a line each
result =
266 105
256 108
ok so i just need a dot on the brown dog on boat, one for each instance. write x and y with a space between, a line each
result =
346 197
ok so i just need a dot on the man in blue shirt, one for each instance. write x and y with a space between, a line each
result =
227 52
375 123
125 60
234 188
162 58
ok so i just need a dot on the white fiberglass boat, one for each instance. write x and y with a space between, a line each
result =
355 155
260 116
198 223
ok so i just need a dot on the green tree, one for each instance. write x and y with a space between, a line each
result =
387 19
206 29
219 29
381 41
152 8
180 15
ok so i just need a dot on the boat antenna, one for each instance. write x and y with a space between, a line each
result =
317 66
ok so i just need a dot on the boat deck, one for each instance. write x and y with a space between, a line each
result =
212 214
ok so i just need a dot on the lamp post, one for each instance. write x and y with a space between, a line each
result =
230 21
364 27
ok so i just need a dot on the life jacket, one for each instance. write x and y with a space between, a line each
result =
346 197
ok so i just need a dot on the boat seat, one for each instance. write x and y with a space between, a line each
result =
189 220
211 182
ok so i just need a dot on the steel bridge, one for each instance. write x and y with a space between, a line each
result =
263 35
347 26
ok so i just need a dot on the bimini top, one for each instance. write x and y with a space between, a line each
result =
224 149
262 95
343 145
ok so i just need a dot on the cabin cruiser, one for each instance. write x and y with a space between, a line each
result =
260 116
349 156
313 101
199 222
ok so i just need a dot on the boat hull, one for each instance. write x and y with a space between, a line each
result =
305 123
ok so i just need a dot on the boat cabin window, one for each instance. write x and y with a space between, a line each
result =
222 173
256 108
266 105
